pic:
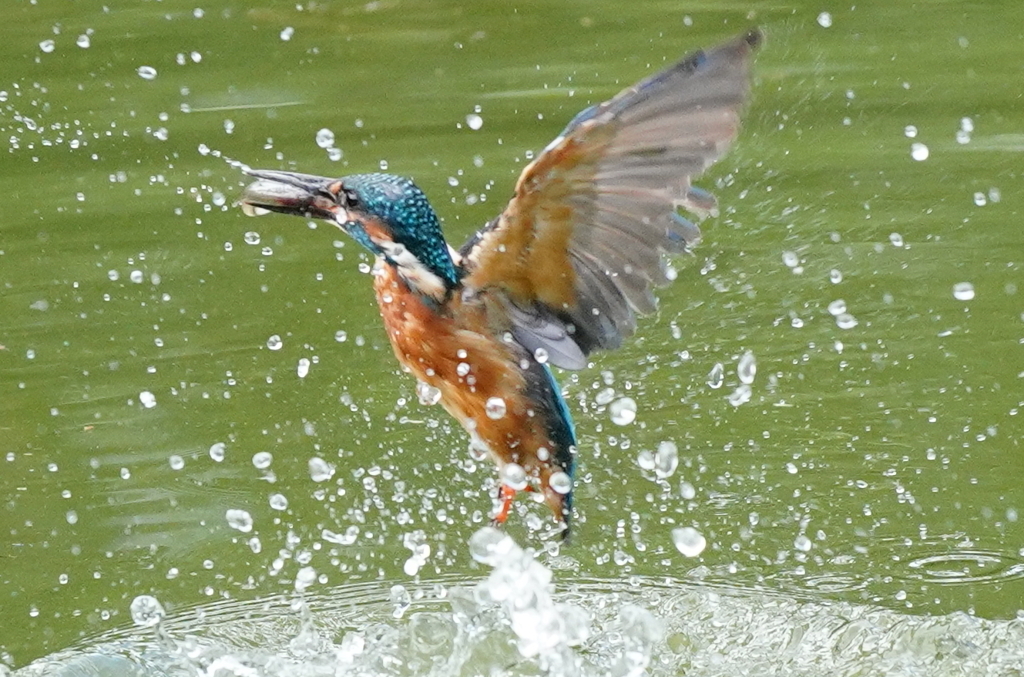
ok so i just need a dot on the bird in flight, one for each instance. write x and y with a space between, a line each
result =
563 271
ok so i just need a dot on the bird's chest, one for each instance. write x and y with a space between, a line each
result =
439 343
422 335
451 348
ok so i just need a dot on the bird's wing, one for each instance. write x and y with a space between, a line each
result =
576 252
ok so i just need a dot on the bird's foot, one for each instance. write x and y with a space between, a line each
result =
506 495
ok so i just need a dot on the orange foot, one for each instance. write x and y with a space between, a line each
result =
506 495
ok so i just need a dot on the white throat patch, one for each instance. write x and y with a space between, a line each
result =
412 270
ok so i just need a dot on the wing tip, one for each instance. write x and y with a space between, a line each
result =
683 234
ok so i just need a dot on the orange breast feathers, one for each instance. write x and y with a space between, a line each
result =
457 350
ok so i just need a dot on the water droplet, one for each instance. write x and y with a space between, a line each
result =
416 542
835 276
837 307
287 33
320 470
147 399
217 450
304 578
251 237
540 355
910 131
666 459
462 368
47 46
919 151
478 449
963 291
825 20
896 239
261 460
147 72
303 367
791 259
716 376
474 121
491 546
513 475
980 200
347 538
741 395
623 411
278 501
747 368
495 408
176 462
560 482
136 276
689 541
325 138
146 611
274 342
802 543
83 41
428 394
239 519
846 321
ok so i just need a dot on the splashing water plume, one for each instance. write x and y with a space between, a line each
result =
514 622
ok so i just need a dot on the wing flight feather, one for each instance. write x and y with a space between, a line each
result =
579 247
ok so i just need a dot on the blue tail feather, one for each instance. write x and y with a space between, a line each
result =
562 432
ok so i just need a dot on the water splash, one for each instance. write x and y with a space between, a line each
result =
515 621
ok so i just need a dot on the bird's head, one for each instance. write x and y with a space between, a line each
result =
389 215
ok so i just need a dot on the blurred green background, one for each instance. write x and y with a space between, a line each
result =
878 460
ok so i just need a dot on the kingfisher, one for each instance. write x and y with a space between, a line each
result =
563 271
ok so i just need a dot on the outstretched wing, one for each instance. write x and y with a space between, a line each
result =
579 247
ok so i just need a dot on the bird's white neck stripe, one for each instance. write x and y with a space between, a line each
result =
417 276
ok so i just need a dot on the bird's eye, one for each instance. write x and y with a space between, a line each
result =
350 197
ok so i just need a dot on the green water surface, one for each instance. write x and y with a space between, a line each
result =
879 462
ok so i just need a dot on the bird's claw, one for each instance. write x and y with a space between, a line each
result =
506 495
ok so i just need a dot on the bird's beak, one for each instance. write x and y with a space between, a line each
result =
289 193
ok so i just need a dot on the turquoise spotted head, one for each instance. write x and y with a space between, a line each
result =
387 214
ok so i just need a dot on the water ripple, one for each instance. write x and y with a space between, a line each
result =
967 567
